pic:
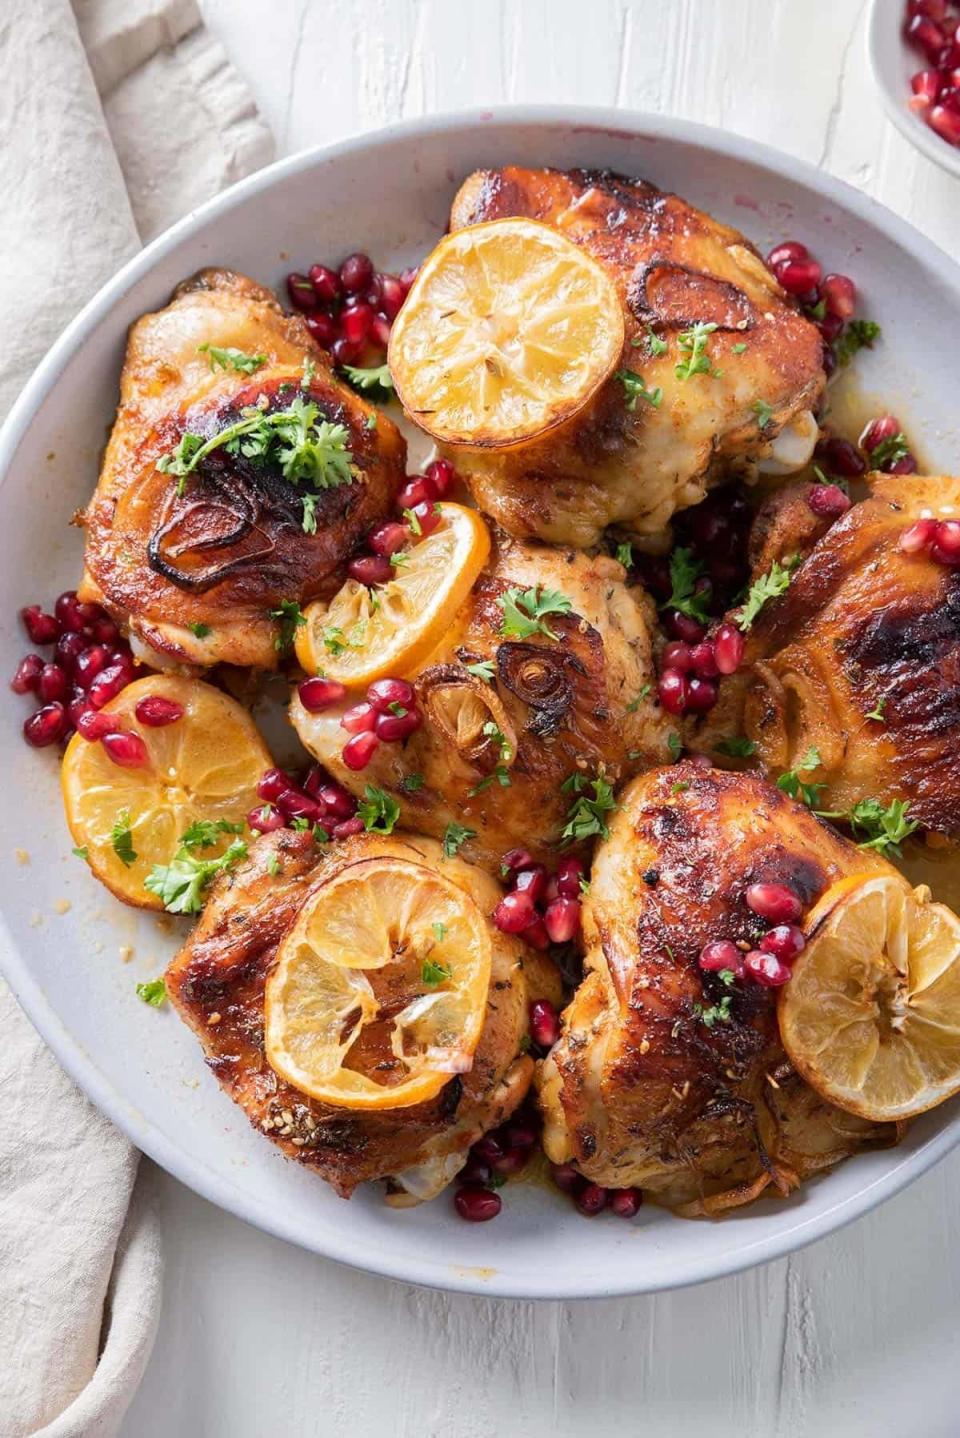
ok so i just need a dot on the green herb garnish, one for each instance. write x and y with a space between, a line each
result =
523 611
377 378
858 335
229 358
593 801
769 586
694 342
454 837
153 992
793 785
181 883
735 746
634 389
122 839
684 573
378 811
290 618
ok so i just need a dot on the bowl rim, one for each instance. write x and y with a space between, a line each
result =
895 101
217 1187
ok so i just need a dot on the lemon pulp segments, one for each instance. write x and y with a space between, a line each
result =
379 991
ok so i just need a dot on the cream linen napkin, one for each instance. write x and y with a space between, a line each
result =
116 117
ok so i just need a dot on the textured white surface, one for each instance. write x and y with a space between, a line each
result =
855 1336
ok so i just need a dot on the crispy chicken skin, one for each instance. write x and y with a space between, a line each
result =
584 703
863 630
639 1090
232 546
222 968
673 265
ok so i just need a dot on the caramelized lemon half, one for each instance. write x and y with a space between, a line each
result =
871 1015
203 766
379 991
509 330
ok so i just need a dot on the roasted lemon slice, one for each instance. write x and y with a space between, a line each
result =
202 766
379 991
364 634
509 329
871 1015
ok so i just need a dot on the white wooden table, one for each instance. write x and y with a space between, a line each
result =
855 1336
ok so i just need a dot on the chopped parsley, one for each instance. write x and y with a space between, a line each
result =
229 358
378 378
675 745
439 931
735 746
771 585
432 973
738 349
204 833
858 335
694 342
410 783
483 669
290 618
593 800
122 839
416 528
890 450
524 610
153 992
764 413
625 555
202 631
499 776
877 711
684 573
454 837
378 811
274 866
791 783
681 787
180 884
883 829
716 1013
81 852
638 699
655 344
634 389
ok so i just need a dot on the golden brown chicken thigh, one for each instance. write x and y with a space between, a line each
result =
758 370
194 564
648 1085
495 754
217 980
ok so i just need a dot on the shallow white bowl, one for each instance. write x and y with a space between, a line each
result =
389 193
893 62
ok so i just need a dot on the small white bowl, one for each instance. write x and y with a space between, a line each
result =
893 62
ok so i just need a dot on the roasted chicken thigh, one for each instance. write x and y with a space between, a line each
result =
197 561
707 327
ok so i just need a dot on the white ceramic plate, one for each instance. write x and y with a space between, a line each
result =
893 62
389 193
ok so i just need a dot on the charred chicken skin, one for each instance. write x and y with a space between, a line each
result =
219 548
217 982
664 1077
501 750
726 391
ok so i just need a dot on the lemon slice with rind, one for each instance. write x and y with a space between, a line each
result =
203 766
365 634
379 992
509 329
871 1015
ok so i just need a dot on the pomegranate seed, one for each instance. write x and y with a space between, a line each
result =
828 360
344 351
521 1134
703 660
427 516
476 1204
93 725
765 969
356 272
935 9
925 85
417 491
672 690
45 726
945 548
565 1176
720 954
53 684
370 569
841 457
90 663
372 295
562 920
26 680
591 1199
336 800
355 324
156 712
774 902
839 295
273 782
358 751
105 632
512 1162
392 296
475 1171
317 694
828 501
514 913
293 803
784 254
384 693
265 819
945 121
701 695
785 942
544 1023
532 882
394 728
906 465
71 614
302 294
625 1202
677 655
489 1148
359 719
348 827
442 474
386 539
42 628
926 35
127 750
570 874
68 648
799 277
878 430
326 284
830 327
551 892
728 648
323 328
918 536
517 859
380 332
680 626
109 682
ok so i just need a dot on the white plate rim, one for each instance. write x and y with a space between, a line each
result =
209 1183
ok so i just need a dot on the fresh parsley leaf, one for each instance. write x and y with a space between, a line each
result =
204 833
655 344
378 811
858 335
771 585
877 711
202 631
764 413
499 776
483 669
738 349
439 932
684 573
454 837
181 883
290 618
432 973
523 611
889 451
413 522
309 521
122 839
378 378
735 746
883 829
587 815
638 699
791 783
371 422
716 1013
274 866
681 787
727 977
229 358
675 745
81 852
694 342
153 992
634 389
410 783
625 555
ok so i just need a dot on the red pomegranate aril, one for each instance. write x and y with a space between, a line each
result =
561 920
157 712
520 1133
388 538
91 724
720 954
828 360
372 294
323 328
314 781
326 284
427 515
532 882
927 36
728 648
126 749
878 430
918 536
672 690
317 693
830 327
348 827
355 324
26 679
935 9
302 294
370 569
626 1202
273 782
544 1023
841 457
380 332
266 819
359 719
786 253
536 936
703 660
945 548
104 631
392 296
42 628
785 942
68 647
416 491
394 728
71 614
344 351
441 473
906 465
53 684
512 1161
358 751
945 121
475 1171
356 272
676 655
774 902
925 85
701 694
517 859
828 501
681 626
765 969
90 663
514 913
108 683
488 1148
384 693
570 876
591 1199
45 726
565 1176
336 800
293 803
799 277
839 294
476 1204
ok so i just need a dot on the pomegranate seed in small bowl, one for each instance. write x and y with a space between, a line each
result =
923 45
